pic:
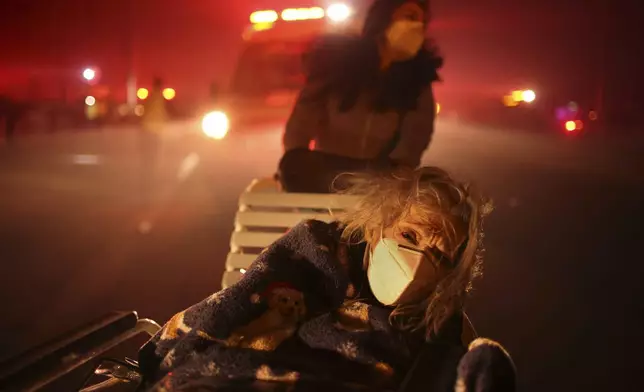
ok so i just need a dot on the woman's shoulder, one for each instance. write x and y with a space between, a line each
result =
315 232
330 234
422 70
317 226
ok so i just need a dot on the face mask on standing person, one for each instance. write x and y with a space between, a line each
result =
405 38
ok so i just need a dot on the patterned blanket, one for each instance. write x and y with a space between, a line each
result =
300 313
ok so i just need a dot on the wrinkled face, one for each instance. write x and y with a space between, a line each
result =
289 303
439 248
412 232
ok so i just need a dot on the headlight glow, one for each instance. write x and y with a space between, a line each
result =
338 12
215 125
528 96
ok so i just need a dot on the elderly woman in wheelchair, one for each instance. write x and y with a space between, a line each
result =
372 300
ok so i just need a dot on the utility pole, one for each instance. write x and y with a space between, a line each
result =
603 14
129 39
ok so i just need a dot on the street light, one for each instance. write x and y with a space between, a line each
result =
89 74
90 100
169 93
142 93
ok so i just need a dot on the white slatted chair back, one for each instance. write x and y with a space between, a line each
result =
265 214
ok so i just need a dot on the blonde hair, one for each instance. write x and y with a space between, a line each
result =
437 200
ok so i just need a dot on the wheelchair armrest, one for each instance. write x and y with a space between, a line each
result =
43 364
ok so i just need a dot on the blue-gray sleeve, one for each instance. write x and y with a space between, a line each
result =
307 118
416 131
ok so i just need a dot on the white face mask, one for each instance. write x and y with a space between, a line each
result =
406 37
397 274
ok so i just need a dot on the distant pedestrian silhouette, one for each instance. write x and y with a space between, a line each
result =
153 123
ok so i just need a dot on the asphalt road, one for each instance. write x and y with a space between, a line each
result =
79 236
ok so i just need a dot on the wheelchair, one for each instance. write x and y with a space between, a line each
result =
264 214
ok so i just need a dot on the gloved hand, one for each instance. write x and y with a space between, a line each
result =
486 367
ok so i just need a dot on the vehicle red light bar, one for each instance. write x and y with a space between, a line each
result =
293 14
266 16
336 12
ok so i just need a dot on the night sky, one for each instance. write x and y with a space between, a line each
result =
488 45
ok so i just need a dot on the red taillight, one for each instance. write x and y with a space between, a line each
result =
572 126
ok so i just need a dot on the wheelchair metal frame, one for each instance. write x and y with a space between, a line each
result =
44 364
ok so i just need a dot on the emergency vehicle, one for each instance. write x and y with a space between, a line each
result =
269 71
551 112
